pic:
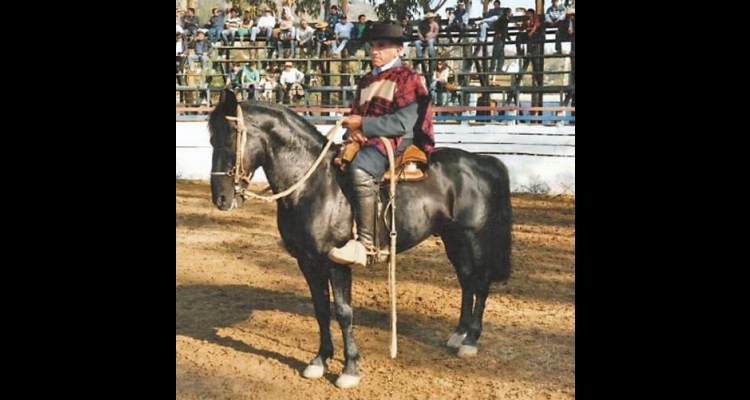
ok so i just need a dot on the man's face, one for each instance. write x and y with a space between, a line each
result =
383 51
362 20
404 22
200 36
496 4
190 13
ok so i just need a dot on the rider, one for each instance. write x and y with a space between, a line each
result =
390 101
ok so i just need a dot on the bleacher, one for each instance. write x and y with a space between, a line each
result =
478 96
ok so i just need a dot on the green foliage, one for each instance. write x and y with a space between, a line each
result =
397 9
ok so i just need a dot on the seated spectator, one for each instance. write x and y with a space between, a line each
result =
181 53
190 23
458 21
332 19
342 35
215 25
266 86
305 37
251 80
245 25
289 76
491 17
286 11
408 31
201 51
437 86
232 25
426 35
179 21
287 35
555 18
234 79
265 26
358 34
321 39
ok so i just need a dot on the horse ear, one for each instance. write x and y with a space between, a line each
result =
228 102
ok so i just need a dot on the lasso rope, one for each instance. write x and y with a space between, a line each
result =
392 251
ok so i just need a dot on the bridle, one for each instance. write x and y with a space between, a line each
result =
238 170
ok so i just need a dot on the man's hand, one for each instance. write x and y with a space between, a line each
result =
353 122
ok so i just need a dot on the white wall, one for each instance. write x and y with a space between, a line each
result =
539 158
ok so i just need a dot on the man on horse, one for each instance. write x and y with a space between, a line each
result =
391 101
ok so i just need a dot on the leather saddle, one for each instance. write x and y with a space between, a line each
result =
410 165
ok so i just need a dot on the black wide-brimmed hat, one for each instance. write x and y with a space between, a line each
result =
385 31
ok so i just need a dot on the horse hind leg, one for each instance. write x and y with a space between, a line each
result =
473 275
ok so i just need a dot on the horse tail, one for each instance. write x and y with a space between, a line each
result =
227 106
501 225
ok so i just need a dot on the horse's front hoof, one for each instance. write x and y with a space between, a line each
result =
314 371
455 340
467 351
346 381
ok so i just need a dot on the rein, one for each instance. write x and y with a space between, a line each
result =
239 171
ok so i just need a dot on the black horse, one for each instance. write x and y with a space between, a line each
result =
465 200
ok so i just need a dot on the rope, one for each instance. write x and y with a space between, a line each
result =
392 251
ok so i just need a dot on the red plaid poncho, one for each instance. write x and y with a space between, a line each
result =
390 90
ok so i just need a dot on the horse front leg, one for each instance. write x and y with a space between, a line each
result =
341 281
317 278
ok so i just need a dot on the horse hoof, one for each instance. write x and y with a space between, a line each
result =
455 340
313 371
346 381
467 351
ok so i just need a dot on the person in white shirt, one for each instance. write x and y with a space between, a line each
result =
265 25
439 80
305 37
289 76
342 33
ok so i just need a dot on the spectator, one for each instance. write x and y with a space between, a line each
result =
321 38
357 34
246 25
215 25
234 79
289 77
555 18
305 37
571 16
437 86
181 53
202 49
535 34
287 36
179 21
267 85
286 11
342 34
492 16
458 20
251 80
190 23
426 36
408 31
499 39
332 19
265 26
232 26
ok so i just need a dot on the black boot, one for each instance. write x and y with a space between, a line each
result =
365 202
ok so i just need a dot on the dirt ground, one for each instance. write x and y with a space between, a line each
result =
246 328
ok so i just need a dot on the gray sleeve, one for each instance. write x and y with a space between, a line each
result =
400 123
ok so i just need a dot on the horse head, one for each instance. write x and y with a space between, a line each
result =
237 151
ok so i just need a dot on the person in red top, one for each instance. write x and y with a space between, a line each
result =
390 101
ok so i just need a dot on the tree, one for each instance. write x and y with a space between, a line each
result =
397 9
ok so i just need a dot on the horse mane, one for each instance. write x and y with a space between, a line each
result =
269 114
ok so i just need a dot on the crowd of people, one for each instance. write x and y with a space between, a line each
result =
337 36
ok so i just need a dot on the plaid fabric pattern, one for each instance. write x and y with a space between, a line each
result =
408 89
